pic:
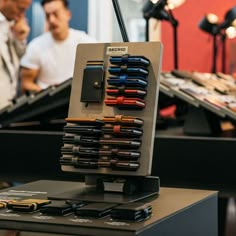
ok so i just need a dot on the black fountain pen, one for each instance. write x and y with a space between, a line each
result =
79 162
116 164
95 152
88 141
66 160
83 130
118 130
86 163
81 140
89 163
82 151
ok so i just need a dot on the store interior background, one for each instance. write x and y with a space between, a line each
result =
195 53
194 45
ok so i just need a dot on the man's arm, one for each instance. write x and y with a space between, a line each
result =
20 31
28 77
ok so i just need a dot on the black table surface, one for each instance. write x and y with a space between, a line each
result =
170 202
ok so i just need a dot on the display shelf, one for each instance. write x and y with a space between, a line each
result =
45 105
204 91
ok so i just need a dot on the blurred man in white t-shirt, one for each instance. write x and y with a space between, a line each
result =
49 58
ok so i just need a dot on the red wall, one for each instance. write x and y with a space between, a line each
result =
194 45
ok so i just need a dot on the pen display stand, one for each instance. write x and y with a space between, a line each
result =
112 116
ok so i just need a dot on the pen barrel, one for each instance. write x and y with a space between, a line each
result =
66 160
90 164
126 165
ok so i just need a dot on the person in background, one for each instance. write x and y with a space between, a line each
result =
49 58
13 33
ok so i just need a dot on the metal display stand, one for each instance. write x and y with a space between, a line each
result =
102 52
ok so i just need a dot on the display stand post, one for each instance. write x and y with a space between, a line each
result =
132 190
120 20
200 121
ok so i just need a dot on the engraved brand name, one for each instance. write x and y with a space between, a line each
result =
117 50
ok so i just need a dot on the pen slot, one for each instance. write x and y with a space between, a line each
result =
125 58
123 69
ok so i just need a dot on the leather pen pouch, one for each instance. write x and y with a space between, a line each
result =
85 121
126 103
83 130
130 60
27 205
130 70
128 81
135 211
124 120
60 208
93 81
95 210
126 91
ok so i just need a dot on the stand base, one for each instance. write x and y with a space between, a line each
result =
201 122
149 187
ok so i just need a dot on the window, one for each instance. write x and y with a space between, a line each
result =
103 23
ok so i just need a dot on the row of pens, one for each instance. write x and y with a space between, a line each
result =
127 85
111 142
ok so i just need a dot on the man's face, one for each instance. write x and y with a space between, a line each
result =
15 9
58 17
